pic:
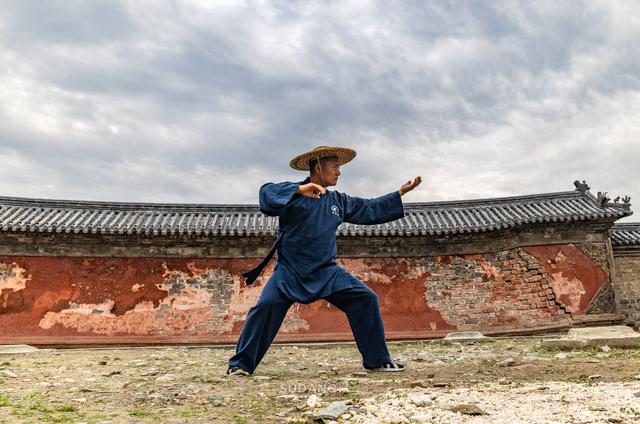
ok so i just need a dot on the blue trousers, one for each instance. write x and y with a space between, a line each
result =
359 303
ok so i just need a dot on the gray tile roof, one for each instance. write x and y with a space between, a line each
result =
626 234
433 218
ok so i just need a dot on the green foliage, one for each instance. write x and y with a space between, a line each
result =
4 401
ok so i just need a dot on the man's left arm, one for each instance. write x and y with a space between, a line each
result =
372 211
377 210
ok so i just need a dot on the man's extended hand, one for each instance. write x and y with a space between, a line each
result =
408 186
311 190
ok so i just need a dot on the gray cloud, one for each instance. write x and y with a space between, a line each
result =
187 101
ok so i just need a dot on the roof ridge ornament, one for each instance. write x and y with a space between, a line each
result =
581 186
602 198
626 202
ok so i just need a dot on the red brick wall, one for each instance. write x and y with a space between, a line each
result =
58 300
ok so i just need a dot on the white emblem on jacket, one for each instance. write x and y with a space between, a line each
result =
335 210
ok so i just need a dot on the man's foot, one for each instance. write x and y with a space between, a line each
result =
236 371
387 367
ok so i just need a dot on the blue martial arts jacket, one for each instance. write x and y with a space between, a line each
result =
306 269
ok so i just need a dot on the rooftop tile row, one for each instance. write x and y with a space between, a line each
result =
432 218
626 234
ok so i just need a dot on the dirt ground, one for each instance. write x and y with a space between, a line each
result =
188 384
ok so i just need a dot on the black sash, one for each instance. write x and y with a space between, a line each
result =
250 276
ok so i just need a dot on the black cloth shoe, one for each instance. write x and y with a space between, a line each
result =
237 371
387 367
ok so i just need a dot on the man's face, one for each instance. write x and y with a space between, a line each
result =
330 170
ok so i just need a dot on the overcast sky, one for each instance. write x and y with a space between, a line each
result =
186 101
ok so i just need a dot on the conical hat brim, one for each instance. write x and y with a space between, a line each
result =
301 162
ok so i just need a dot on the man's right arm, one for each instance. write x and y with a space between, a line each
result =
274 197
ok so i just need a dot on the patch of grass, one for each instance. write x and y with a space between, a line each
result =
66 408
592 351
4 364
98 417
55 419
139 413
235 417
40 406
20 411
629 410
192 412
4 401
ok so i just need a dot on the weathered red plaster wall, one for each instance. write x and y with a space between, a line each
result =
148 300
573 276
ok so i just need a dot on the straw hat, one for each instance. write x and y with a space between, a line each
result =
301 162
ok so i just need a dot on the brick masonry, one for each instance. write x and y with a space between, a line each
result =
627 287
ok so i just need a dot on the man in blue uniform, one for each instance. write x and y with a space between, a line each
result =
306 269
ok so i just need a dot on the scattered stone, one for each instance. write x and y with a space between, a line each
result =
594 377
467 409
507 362
215 400
359 374
614 335
330 412
17 349
7 373
464 336
441 384
637 376
419 399
419 383
561 355
102 362
165 378
605 348
313 401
